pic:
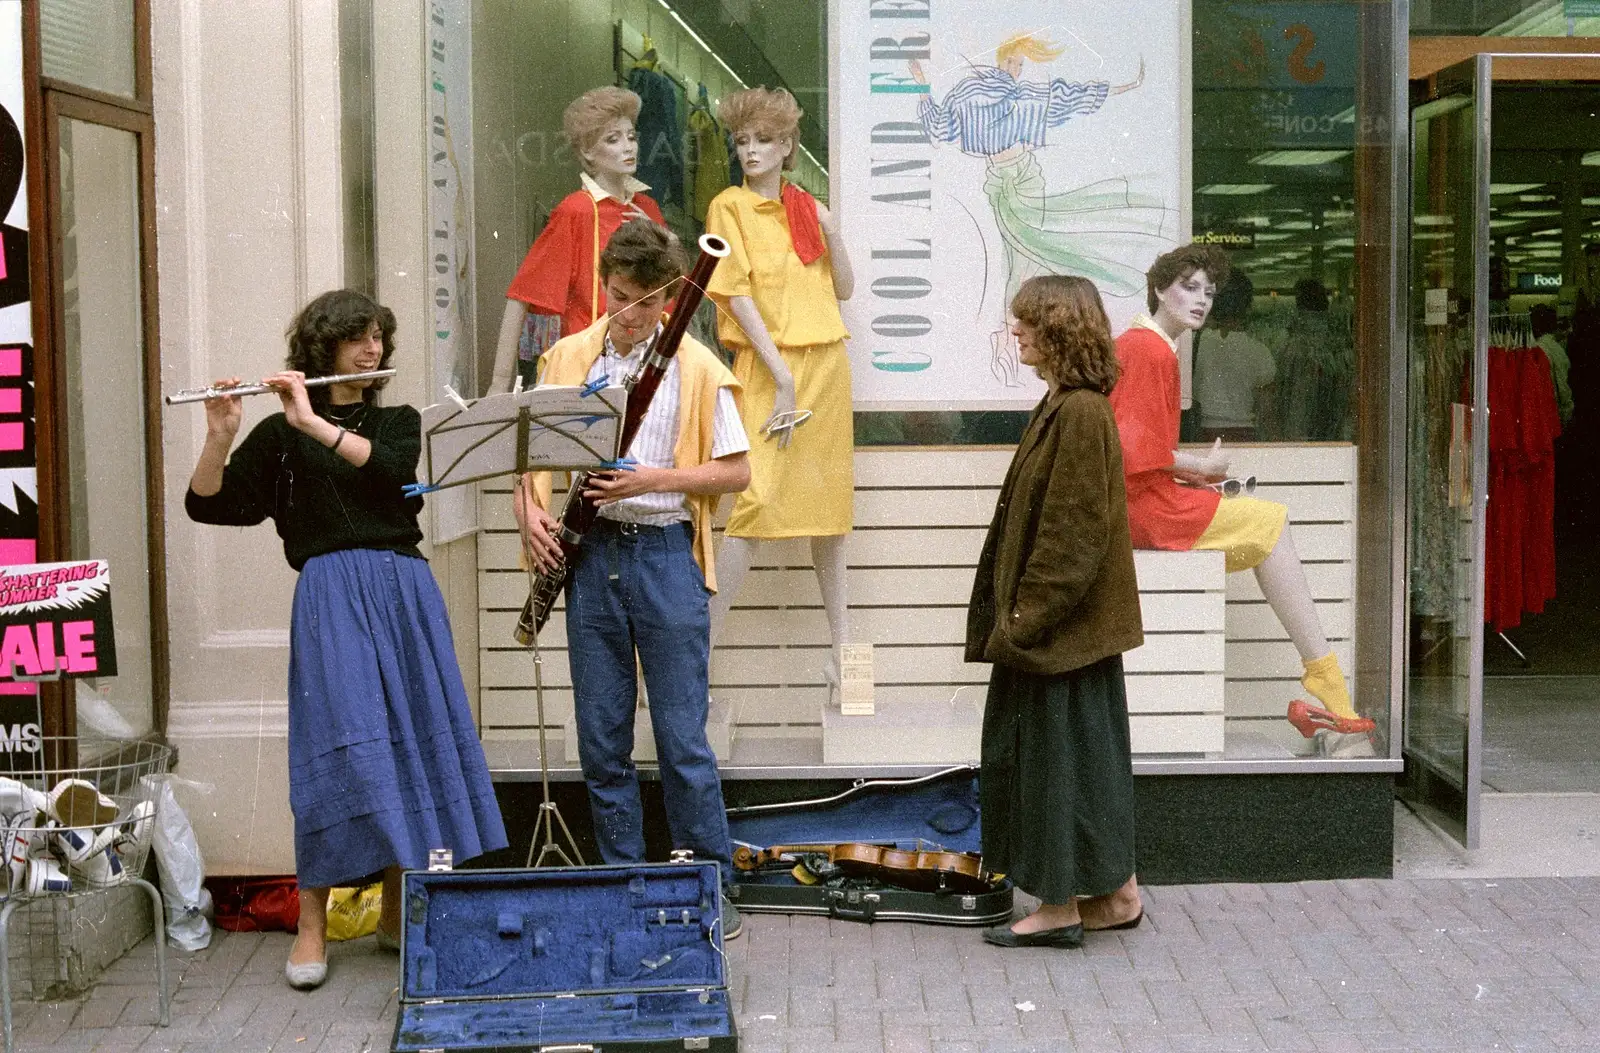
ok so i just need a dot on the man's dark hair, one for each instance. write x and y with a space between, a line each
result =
1181 262
316 332
1310 295
1543 319
1234 297
642 252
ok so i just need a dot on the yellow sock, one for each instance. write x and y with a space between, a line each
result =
1325 682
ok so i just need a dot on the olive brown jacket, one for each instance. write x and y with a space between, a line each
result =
1055 588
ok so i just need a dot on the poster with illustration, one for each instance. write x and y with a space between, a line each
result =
978 145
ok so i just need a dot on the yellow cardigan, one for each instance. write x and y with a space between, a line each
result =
700 374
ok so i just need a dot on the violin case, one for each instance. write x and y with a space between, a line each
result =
602 957
931 813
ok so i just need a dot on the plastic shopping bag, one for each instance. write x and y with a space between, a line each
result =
182 872
353 912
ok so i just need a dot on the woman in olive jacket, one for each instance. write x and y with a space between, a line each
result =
1054 606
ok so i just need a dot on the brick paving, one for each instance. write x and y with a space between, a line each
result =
1323 967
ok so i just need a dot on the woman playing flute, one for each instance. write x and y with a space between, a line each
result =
384 759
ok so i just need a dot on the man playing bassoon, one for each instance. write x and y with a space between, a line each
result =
644 573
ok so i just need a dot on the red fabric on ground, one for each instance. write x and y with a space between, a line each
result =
255 904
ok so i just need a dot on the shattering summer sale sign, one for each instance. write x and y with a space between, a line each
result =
56 620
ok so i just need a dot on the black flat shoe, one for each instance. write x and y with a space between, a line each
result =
1131 923
1061 936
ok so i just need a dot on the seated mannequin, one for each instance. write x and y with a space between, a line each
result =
557 289
1172 505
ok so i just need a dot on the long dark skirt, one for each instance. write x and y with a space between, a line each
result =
1056 787
384 760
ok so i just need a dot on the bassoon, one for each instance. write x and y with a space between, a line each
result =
578 514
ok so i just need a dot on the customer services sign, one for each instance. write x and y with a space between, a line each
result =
981 144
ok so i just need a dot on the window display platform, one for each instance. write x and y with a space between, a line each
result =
764 754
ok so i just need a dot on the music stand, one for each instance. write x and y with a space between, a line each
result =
546 428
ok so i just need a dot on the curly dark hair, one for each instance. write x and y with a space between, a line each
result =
316 332
1070 329
646 254
1181 262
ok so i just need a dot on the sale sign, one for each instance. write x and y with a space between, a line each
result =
55 621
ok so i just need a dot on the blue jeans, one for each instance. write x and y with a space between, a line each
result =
640 587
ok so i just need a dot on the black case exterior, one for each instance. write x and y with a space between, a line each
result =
938 811
451 931
885 903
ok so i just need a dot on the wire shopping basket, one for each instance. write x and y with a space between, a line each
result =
77 816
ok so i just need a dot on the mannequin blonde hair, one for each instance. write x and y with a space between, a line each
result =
1029 47
770 111
586 117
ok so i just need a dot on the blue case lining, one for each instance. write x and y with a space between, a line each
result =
492 958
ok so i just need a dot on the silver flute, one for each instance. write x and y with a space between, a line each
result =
214 392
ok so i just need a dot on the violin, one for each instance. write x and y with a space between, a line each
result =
921 871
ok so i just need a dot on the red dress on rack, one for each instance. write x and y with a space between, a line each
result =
1540 421
1519 543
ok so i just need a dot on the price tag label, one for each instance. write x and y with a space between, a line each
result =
856 684
1436 307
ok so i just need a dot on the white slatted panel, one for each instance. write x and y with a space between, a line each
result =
921 517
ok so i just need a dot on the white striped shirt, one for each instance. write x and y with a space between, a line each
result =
657 438
990 111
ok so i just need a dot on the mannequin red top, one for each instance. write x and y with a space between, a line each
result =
1162 513
561 274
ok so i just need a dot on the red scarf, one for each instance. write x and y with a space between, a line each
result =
805 230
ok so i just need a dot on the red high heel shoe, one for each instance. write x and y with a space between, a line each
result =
1309 720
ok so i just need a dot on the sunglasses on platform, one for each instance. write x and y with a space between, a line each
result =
1235 487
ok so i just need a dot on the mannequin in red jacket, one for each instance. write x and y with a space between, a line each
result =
557 289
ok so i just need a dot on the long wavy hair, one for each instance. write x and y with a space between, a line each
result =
316 332
1070 331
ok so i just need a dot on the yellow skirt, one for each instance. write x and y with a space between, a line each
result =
807 490
1246 529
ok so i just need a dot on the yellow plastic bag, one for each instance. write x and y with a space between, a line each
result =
353 912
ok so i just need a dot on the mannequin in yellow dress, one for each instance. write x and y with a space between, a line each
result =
782 284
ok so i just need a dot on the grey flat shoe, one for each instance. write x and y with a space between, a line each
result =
306 976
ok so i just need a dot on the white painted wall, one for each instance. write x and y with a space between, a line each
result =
248 229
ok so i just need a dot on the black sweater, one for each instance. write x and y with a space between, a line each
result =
319 501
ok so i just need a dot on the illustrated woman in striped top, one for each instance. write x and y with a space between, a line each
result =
1092 230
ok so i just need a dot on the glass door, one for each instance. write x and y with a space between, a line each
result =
1447 445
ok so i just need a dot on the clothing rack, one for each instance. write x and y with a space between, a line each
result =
624 60
1510 329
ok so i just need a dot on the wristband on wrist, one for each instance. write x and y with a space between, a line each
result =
337 440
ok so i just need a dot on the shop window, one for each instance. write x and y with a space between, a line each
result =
106 474
1499 18
89 43
1288 125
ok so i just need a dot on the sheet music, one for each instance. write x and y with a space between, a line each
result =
565 429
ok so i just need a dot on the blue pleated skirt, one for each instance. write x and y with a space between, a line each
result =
384 759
